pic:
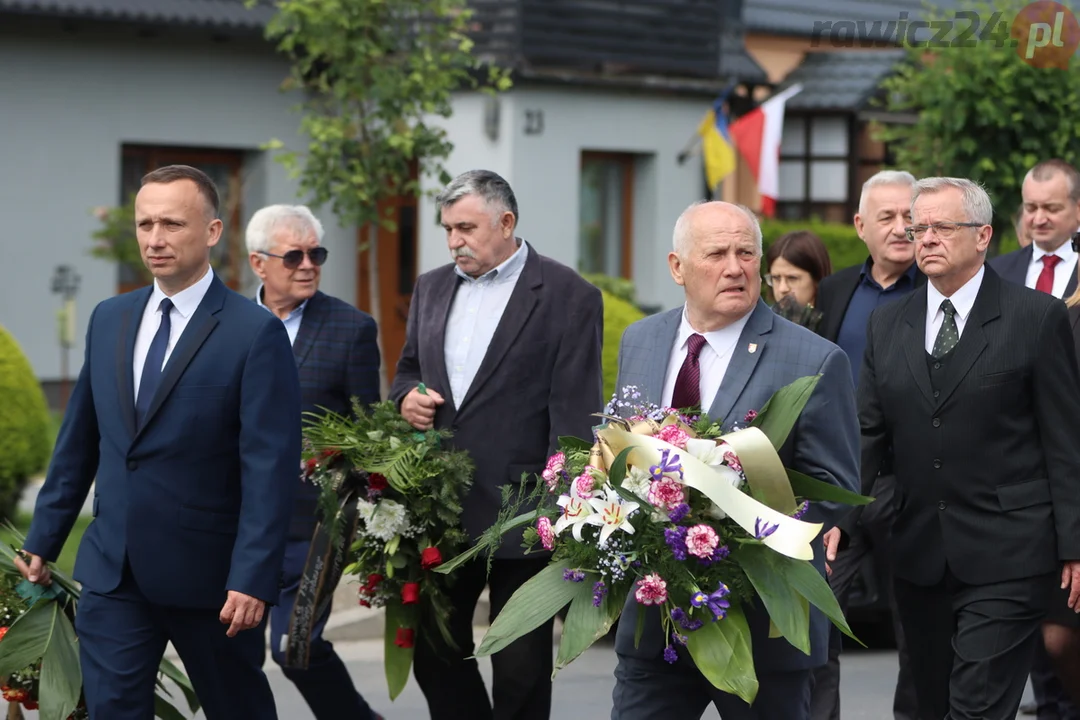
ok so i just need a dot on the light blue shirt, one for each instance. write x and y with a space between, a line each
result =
292 321
475 313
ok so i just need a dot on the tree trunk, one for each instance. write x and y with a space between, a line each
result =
376 305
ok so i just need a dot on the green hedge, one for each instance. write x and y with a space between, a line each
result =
845 246
24 424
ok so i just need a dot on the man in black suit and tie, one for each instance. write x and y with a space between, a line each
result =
508 345
1051 214
973 382
846 299
337 357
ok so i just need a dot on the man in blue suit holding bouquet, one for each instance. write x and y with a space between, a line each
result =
186 413
725 351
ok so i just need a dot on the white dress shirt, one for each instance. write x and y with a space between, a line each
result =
475 313
1063 271
963 300
292 320
185 303
712 361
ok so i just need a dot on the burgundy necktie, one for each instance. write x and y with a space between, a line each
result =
687 392
1045 282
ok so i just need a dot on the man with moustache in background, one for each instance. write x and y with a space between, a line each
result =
846 299
504 339
337 358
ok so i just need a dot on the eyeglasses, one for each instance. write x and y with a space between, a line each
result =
771 279
943 230
293 258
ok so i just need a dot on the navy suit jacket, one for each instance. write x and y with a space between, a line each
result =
1013 267
198 499
337 356
824 444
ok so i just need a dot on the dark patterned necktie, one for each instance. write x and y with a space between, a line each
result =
155 358
687 392
948 335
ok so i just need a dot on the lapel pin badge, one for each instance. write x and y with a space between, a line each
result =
752 348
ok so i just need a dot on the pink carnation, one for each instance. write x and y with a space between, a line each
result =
666 493
732 461
546 532
584 484
701 540
555 465
673 435
652 590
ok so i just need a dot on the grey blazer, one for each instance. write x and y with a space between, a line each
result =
540 378
824 443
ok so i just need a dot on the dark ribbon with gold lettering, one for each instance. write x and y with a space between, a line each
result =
326 559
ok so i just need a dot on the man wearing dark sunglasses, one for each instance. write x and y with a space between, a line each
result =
337 357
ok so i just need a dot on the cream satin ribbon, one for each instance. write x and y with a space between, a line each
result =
759 460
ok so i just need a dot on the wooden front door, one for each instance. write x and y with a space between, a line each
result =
395 265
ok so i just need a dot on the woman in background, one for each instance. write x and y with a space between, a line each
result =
797 261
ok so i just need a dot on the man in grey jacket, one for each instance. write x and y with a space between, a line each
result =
726 352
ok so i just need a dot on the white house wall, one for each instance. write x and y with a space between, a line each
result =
544 168
68 102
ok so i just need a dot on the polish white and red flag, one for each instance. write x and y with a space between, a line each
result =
757 136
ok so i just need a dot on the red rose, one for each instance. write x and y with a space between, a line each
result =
310 465
373 581
30 704
364 603
404 638
330 452
377 482
430 557
410 593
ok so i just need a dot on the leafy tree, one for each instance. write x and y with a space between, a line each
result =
981 111
377 75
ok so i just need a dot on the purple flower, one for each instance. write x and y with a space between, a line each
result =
679 512
670 655
763 529
715 602
599 590
677 614
573 575
691 625
677 638
751 415
720 553
669 462
801 510
676 540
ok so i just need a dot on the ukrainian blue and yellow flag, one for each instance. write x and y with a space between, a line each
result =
716 146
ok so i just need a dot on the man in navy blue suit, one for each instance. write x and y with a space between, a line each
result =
337 356
187 415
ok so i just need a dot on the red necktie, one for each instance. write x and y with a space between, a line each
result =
1046 277
687 392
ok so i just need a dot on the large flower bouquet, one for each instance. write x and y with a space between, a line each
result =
695 522
39 653
391 503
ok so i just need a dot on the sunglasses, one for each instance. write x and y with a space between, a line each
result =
293 258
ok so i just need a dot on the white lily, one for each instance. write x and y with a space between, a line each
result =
612 513
576 512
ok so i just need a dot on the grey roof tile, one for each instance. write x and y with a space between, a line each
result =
840 80
214 13
797 17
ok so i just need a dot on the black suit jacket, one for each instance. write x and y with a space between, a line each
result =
1074 317
540 378
1014 266
834 295
337 357
987 465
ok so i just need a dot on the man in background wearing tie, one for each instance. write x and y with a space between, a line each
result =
1051 214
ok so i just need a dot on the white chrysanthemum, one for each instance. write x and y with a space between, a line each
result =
637 481
388 519
365 510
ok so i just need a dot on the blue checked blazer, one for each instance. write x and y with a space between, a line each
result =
337 357
824 443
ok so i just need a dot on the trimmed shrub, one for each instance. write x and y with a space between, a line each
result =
24 424
618 315
845 246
